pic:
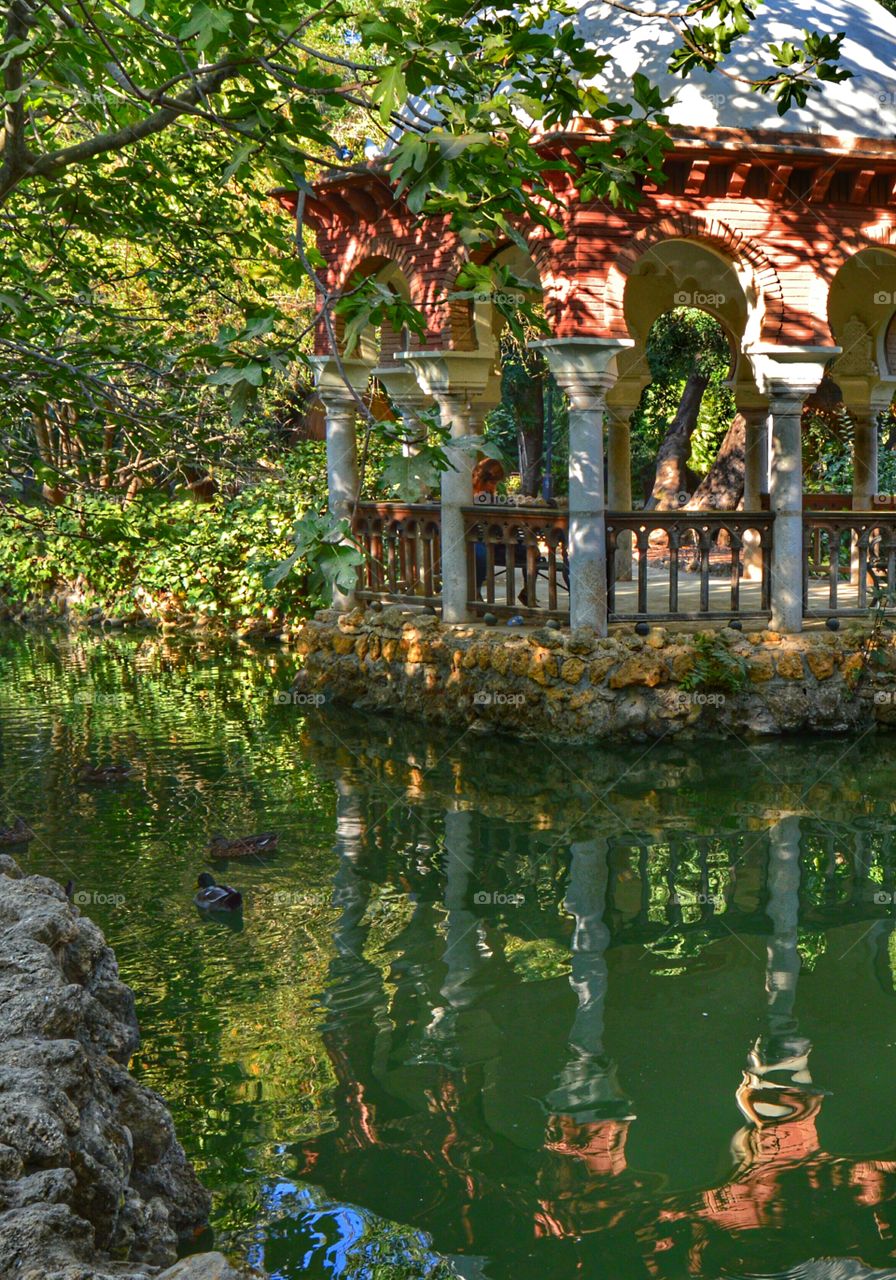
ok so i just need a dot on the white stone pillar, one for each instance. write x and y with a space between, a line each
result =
787 506
619 480
404 391
464 386
787 376
585 368
339 385
755 481
865 484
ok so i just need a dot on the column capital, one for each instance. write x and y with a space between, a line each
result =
402 387
584 367
872 400
340 381
789 373
464 378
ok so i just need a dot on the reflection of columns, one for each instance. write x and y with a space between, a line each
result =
619 480
463 950
339 388
585 368
463 386
783 909
777 1094
788 376
351 893
755 481
588 1082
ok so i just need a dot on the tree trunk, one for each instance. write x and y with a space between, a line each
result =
526 397
670 485
723 487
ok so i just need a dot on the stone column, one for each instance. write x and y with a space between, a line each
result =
755 480
619 480
404 391
585 369
339 384
864 455
788 376
464 386
787 506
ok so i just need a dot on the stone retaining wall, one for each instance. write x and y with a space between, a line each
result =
570 686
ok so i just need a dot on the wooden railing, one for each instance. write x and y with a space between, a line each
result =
402 545
836 502
854 555
517 561
715 545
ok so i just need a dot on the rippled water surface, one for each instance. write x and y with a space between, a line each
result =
558 1013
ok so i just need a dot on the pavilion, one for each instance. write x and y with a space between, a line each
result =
784 230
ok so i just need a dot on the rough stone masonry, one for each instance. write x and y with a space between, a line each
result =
572 686
94 1184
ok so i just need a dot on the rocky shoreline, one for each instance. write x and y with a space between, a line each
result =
574 687
94 1184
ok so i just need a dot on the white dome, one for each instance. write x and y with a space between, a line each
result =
862 107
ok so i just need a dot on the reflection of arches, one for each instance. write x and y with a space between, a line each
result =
761 294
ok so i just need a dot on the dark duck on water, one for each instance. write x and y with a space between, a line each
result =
216 897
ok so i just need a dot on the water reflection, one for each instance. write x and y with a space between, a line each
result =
438 1078
570 1013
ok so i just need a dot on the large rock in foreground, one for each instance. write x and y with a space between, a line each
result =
90 1167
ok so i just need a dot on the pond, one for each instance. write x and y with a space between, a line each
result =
558 1013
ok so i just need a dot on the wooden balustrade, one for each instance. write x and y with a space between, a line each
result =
710 544
854 555
516 561
403 549
836 502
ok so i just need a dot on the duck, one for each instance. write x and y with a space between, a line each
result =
105 772
216 897
240 846
18 833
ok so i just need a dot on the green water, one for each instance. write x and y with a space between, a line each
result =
560 1013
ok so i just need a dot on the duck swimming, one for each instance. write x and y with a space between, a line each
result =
18 833
104 772
216 897
240 846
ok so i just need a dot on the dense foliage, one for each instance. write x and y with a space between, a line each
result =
166 560
154 304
